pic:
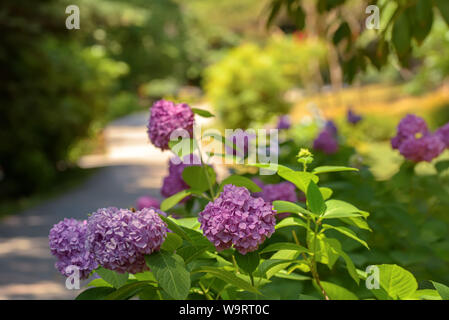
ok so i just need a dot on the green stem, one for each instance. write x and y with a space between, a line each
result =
313 265
205 291
252 279
206 172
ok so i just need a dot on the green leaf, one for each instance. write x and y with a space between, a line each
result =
228 277
170 272
443 290
401 36
202 113
341 209
335 246
326 193
191 252
171 242
347 232
358 222
275 7
266 265
335 292
128 291
115 279
291 276
443 7
326 169
421 16
323 251
99 283
395 283
298 178
247 262
281 255
97 293
240 181
426 294
286 206
315 201
183 147
172 201
284 246
291 221
173 226
196 178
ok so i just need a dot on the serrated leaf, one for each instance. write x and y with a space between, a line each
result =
172 201
395 283
291 221
284 246
282 206
335 292
443 290
197 179
170 272
347 232
315 201
127 291
247 262
171 242
112 277
98 293
228 277
240 181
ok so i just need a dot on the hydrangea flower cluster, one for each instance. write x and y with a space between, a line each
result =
326 140
237 219
443 132
415 142
147 202
167 117
67 241
174 183
352 117
283 122
120 238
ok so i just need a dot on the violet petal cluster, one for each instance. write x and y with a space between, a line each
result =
285 191
326 142
415 142
147 202
443 132
331 127
237 219
167 117
67 241
174 183
283 122
120 238
352 117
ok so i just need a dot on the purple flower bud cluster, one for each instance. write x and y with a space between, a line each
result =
167 117
174 183
352 117
237 219
67 241
283 122
415 141
326 140
120 238
147 202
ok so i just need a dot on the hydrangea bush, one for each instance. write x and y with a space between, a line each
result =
232 246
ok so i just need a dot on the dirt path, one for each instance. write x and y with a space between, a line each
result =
131 167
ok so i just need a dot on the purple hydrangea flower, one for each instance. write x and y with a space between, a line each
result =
410 125
285 191
147 202
237 219
326 142
422 149
174 183
120 238
443 132
67 241
167 117
331 127
352 117
242 140
284 122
